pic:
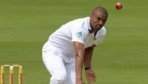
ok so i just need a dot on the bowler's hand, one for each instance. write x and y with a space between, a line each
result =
90 75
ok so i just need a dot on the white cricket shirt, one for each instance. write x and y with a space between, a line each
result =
77 30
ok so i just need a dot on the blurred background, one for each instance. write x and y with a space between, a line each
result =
122 58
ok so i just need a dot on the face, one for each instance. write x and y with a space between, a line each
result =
97 21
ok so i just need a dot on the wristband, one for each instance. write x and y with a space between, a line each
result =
87 68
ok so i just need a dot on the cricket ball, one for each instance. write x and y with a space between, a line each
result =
118 5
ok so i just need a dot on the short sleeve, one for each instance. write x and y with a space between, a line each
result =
78 35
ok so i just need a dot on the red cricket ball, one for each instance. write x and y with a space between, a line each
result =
118 5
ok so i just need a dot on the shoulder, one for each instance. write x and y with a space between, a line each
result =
102 31
80 24
79 20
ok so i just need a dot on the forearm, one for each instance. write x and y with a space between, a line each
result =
90 75
79 48
79 65
88 57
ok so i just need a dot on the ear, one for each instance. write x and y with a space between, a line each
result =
91 17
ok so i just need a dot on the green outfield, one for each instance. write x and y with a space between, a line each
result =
121 59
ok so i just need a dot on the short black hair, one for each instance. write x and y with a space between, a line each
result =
102 9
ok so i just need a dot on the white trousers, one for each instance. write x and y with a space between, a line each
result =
61 72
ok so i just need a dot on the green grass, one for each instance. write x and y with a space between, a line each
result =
121 59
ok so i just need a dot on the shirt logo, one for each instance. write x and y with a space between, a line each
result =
79 34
